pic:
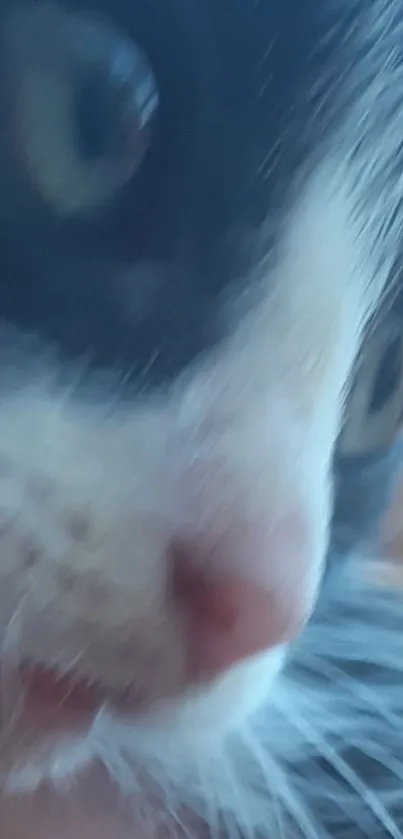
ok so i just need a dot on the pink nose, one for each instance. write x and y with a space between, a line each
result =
230 618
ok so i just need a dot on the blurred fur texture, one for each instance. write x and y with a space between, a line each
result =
195 389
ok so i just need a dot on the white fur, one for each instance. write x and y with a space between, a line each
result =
90 499
293 766
294 763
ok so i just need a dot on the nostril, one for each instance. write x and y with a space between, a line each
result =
208 601
229 616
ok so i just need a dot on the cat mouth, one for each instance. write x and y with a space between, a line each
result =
44 690
36 702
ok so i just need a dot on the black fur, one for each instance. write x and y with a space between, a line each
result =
251 93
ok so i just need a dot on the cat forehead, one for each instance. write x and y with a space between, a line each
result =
143 287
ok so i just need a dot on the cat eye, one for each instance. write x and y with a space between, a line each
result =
374 411
86 100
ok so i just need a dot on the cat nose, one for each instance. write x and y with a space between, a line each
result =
229 617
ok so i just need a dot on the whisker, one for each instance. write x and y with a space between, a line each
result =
353 686
12 692
347 773
284 793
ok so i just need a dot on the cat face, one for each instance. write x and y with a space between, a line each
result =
186 273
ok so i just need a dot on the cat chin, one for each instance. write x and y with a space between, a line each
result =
321 756
55 749
55 761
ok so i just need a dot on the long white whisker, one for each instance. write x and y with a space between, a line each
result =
353 686
288 797
346 772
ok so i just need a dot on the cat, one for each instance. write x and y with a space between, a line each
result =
200 223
